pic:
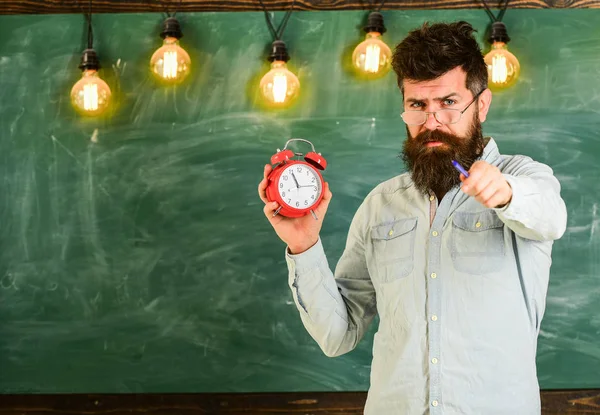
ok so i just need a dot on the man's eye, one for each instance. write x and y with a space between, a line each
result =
416 105
449 102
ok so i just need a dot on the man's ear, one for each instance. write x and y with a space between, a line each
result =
484 102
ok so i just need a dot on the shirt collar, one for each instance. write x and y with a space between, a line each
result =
490 151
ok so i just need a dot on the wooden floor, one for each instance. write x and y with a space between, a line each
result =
573 402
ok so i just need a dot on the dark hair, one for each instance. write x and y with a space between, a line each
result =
432 50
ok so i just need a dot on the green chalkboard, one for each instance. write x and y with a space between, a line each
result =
134 254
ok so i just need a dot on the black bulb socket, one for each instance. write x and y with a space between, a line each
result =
171 28
499 33
375 23
89 60
279 52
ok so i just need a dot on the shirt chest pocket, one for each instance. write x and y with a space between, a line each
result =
393 248
477 242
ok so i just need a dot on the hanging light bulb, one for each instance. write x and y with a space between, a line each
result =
503 67
279 87
372 57
90 95
171 63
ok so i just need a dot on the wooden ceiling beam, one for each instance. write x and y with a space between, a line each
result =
154 6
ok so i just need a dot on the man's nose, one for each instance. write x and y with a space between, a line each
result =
431 123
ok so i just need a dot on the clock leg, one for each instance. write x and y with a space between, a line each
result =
277 211
314 214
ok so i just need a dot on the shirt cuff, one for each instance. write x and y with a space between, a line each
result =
511 209
503 208
308 259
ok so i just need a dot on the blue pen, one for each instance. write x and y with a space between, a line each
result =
460 168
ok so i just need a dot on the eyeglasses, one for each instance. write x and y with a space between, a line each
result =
443 116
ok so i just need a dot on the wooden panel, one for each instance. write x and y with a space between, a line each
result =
571 402
126 6
574 402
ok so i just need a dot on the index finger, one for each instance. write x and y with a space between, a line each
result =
267 170
478 179
262 186
475 173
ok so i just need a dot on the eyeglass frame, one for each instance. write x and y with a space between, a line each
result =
445 109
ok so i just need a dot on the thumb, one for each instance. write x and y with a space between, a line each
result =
327 195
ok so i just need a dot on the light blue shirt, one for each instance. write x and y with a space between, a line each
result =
460 291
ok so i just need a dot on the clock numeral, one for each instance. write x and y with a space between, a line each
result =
306 203
315 188
313 179
299 169
307 173
297 204
312 196
289 200
282 194
281 185
285 177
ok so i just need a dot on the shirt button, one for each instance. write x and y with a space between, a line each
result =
431 198
391 232
434 317
434 233
434 360
478 225
433 275
434 403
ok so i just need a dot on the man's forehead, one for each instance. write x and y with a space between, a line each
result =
451 81
434 91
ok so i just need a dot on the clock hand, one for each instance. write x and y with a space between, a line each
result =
297 185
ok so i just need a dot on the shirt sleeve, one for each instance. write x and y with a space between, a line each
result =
336 309
536 210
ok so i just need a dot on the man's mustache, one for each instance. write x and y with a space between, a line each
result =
430 136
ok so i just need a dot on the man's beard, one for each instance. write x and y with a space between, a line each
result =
431 167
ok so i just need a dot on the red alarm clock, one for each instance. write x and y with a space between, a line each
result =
296 185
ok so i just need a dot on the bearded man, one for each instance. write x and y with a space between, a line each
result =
456 267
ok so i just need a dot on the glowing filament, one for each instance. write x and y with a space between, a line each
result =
372 58
499 69
170 64
90 97
279 88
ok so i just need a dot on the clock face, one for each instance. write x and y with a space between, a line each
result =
299 186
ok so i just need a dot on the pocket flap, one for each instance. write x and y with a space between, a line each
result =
391 230
477 221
